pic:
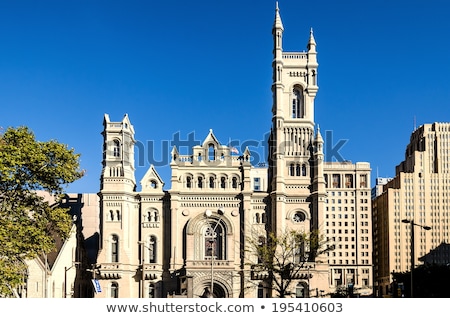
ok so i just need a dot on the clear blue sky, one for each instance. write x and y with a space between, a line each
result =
383 65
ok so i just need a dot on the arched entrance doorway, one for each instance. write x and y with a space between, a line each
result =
219 291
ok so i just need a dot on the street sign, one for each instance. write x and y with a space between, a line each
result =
96 285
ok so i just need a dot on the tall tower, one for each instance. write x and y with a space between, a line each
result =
118 155
292 157
119 212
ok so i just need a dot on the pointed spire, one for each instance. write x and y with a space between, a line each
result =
277 24
311 42
318 135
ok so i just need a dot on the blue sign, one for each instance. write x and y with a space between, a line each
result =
96 285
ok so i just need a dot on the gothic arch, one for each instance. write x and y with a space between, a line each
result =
198 230
222 286
195 224
298 109
291 213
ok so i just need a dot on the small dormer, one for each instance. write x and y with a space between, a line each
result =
152 182
126 124
246 156
211 147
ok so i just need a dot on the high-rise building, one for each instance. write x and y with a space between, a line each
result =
418 196
348 224
378 188
190 241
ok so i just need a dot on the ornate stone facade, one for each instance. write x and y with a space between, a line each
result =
191 240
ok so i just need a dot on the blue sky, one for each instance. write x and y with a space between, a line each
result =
184 67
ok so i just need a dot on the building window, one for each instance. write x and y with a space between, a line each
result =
116 148
260 291
348 181
222 182
211 153
299 217
257 184
152 249
234 183
297 103
300 255
151 290
300 291
200 182
114 290
363 180
297 170
336 181
188 182
214 236
211 182
114 249
303 170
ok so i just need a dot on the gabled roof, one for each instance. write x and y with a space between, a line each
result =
152 182
211 138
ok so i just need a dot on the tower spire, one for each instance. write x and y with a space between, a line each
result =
278 24
311 42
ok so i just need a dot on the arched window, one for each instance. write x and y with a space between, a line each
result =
214 236
297 170
188 182
116 148
153 184
211 153
151 290
114 248
211 182
117 215
292 169
303 170
263 218
234 183
111 215
114 288
152 249
300 291
260 290
200 182
297 103
222 182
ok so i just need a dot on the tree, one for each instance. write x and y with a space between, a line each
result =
282 258
29 224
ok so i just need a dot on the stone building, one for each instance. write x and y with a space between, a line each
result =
189 241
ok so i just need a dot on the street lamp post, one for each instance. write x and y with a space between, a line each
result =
212 241
141 243
66 269
413 259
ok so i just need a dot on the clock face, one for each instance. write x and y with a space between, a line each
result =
299 217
